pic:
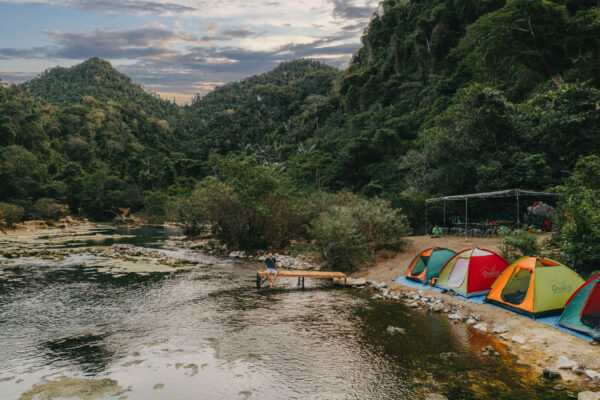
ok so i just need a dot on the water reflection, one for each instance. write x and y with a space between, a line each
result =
206 332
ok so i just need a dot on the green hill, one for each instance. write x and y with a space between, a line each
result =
443 97
97 78
239 116
450 96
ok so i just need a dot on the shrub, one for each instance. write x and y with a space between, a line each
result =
248 209
339 238
10 214
352 229
155 204
519 244
579 234
48 210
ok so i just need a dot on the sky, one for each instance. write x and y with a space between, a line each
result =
178 48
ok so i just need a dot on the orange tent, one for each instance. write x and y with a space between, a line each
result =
534 286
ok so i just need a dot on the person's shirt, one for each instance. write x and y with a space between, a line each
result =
270 262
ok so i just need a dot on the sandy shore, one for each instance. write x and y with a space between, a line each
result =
543 344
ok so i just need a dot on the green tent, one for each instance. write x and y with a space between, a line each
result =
428 264
582 312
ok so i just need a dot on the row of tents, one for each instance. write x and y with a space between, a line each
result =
532 286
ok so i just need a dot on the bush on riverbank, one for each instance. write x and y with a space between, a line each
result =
245 206
10 214
351 230
48 210
518 244
252 206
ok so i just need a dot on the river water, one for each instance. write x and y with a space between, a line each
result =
69 328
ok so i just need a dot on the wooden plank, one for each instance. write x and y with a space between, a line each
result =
306 274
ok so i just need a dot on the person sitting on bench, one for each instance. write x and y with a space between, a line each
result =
271 268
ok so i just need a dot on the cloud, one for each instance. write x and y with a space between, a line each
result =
34 52
345 9
147 41
16 77
126 6
231 34
226 40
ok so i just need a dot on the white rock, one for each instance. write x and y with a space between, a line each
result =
501 328
455 316
482 327
471 321
435 396
518 339
564 363
392 330
588 396
592 374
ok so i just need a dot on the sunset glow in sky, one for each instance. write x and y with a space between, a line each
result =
181 47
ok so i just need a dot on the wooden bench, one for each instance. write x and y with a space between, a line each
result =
261 276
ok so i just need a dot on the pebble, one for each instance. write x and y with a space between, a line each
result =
564 363
551 374
501 328
588 395
488 351
435 396
392 330
592 374
448 355
471 321
518 339
481 327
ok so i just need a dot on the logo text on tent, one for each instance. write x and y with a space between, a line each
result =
560 287
490 272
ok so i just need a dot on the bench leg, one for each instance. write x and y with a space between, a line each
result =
257 281
302 283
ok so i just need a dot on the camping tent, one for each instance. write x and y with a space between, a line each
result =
471 272
535 287
582 312
428 264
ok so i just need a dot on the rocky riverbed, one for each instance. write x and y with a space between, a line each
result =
570 364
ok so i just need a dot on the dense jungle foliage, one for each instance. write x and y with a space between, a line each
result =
443 97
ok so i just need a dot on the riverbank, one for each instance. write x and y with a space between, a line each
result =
540 346
532 343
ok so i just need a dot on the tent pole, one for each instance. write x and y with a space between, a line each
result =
466 216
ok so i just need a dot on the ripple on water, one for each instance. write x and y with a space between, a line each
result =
207 330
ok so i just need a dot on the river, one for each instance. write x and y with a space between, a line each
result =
69 327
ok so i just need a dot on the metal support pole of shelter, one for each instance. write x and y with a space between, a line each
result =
444 215
426 218
517 220
466 217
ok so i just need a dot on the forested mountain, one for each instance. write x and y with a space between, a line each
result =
448 96
97 78
443 97
90 137
253 114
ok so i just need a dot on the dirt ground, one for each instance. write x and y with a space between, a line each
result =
543 344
